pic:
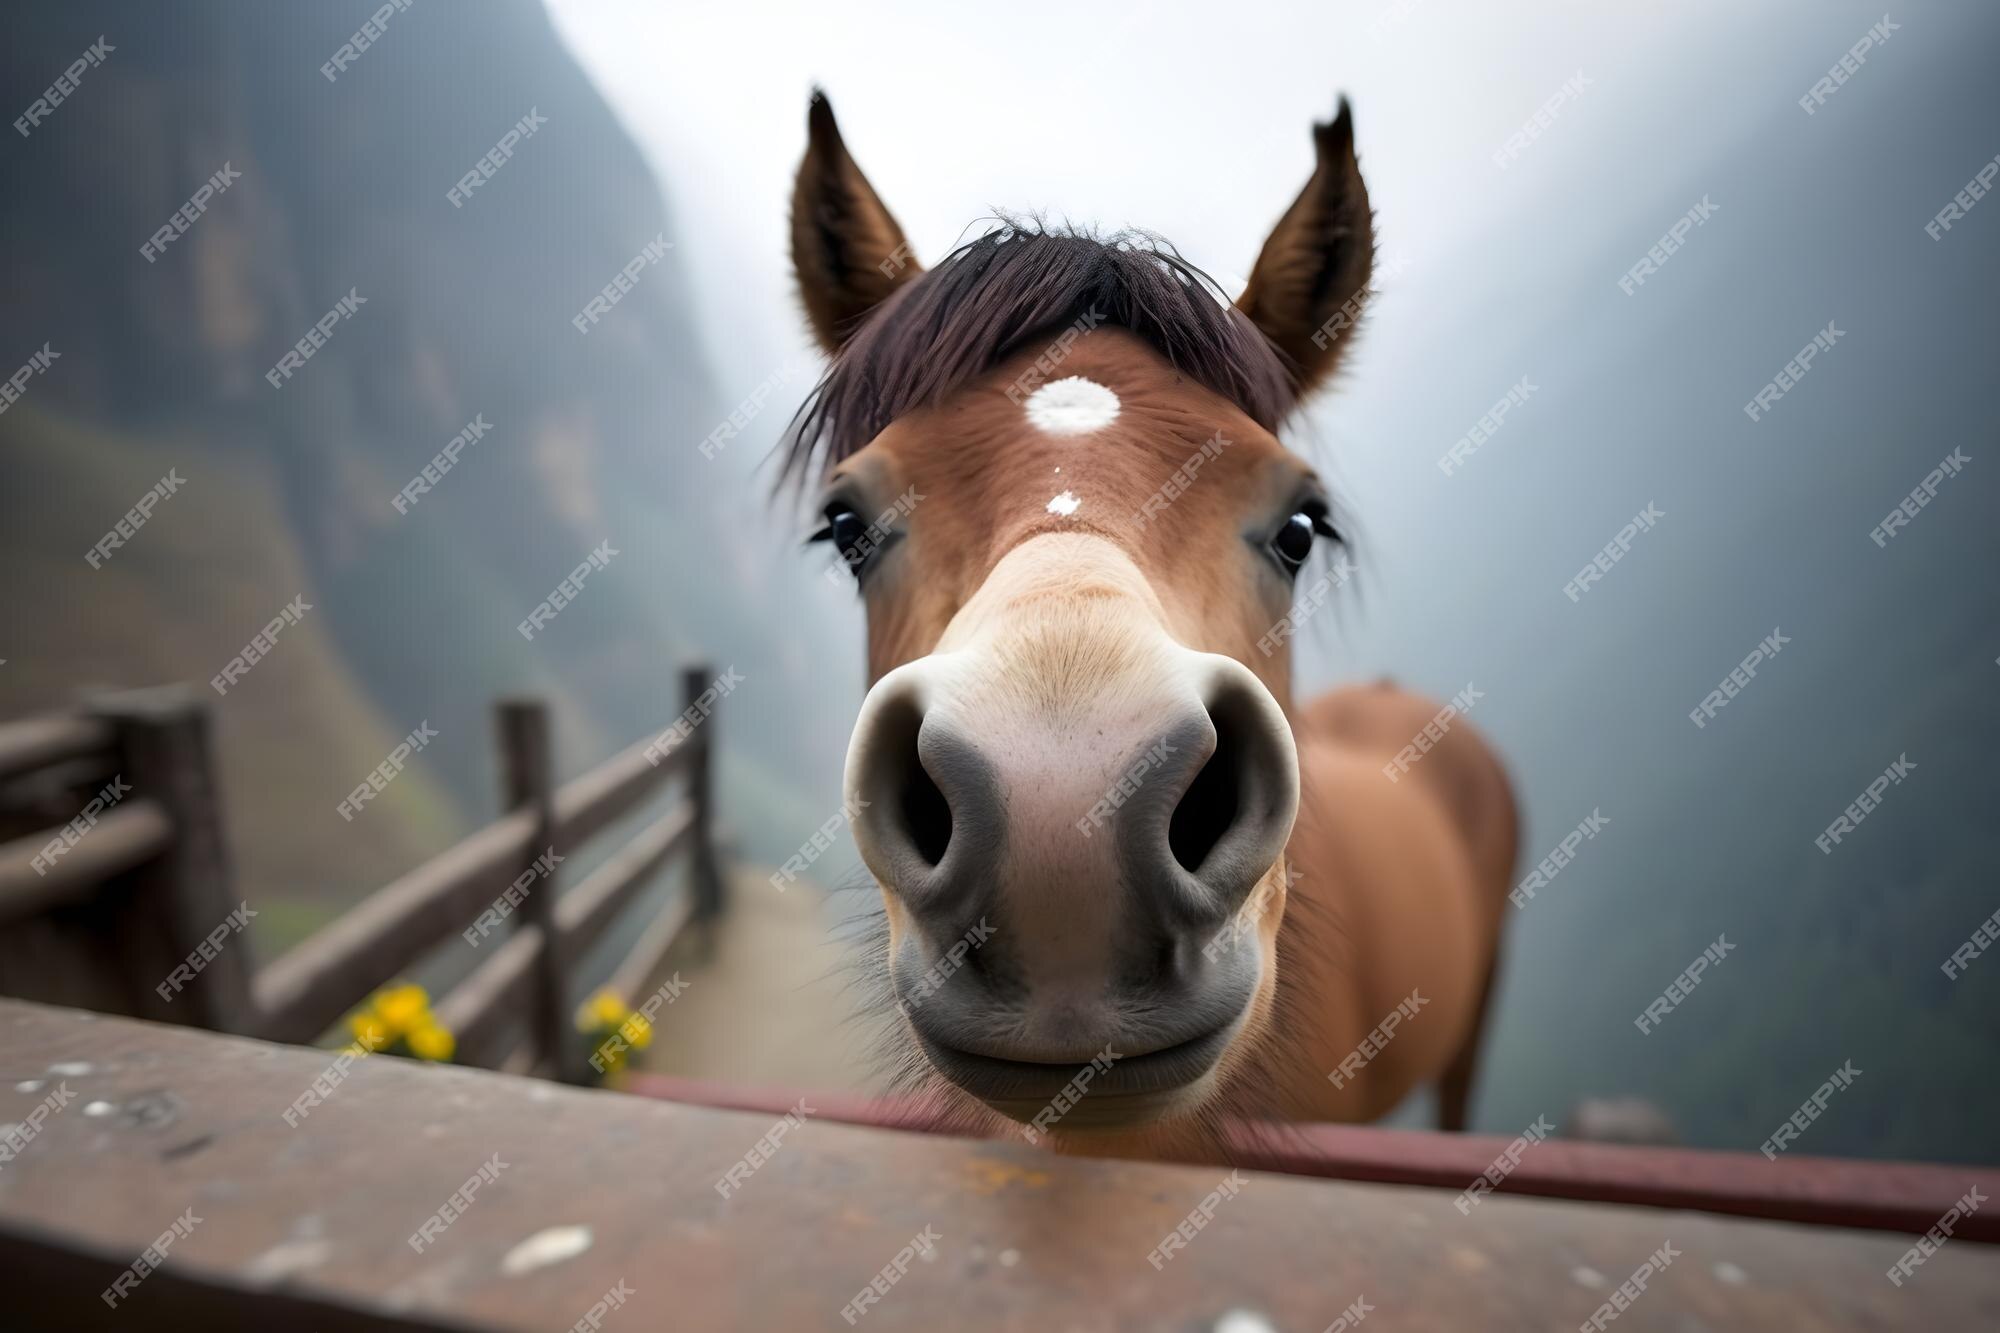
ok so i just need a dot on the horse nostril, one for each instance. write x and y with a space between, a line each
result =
901 799
926 814
1231 821
1208 807
930 818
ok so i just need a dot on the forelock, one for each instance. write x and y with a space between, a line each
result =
1018 286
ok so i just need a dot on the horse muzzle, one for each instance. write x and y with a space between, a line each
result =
1066 857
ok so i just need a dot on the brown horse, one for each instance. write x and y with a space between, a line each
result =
1130 889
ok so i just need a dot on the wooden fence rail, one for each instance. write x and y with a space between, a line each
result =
1025 1239
101 917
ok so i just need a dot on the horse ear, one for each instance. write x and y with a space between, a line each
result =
847 250
1303 292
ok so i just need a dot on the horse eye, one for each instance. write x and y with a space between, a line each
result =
849 535
1294 541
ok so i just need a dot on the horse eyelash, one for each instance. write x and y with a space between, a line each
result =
1320 510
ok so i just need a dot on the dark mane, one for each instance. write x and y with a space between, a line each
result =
1016 287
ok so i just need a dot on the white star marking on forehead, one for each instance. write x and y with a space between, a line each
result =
1064 504
1073 406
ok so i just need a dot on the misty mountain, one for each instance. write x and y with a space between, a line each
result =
473 310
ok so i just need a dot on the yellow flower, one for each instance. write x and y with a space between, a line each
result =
604 1010
403 1008
367 1029
637 1031
431 1042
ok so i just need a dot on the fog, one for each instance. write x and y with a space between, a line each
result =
1192 122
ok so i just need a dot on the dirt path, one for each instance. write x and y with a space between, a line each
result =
767 998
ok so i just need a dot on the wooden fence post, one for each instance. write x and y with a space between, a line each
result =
527 781
186 895
708 885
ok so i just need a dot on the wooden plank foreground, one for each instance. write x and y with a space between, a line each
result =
1820 1191
306 1227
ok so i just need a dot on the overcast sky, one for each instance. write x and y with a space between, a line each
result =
1158 116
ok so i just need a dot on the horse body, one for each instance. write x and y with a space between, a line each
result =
1079 742
1408 900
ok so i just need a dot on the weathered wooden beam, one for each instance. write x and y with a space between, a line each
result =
586 910
32 743
481 1009
586 804
1815 1191
483 1012
650 949
124 836
527 784
696 681
184 899
310 988
307 1224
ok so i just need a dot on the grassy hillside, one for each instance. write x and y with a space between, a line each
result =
213 565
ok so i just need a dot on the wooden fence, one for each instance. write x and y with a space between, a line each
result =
1025 1239
101 918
